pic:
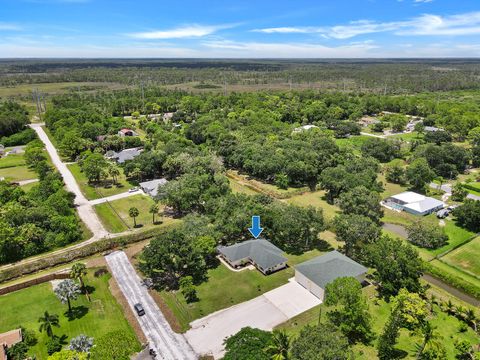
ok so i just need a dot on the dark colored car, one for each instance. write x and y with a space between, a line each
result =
139 309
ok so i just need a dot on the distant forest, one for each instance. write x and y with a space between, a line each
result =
385 76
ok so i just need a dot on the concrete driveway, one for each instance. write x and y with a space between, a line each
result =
117 197
263 312
167 344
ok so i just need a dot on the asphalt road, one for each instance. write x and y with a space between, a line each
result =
167 344
84 208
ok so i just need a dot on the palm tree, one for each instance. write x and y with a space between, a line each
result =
47 321
153 210
114 172
133 213
78 271
431 339
67 290
279 349
471 318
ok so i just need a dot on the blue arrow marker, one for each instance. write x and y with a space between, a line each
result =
255 230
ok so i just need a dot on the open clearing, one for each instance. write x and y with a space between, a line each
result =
106 188
466 257
115 218
95 318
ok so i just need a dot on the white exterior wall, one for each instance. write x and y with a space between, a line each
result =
309 285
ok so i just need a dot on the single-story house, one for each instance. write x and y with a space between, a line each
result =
305 128
151 187
315 274
7 340
261 253
124 155
414 203
126 132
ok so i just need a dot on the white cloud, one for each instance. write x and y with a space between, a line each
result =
9 27
189 31
455 25
422 1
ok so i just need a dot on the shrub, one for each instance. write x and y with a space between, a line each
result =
54 345
114 345
21 138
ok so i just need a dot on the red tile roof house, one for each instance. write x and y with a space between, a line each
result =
127 132
7 340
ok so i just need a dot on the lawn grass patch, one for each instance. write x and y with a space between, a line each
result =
466 257
315 199
448 327
12 160
263 187
114 214
237 187
17 173
100 316
104 189
225 288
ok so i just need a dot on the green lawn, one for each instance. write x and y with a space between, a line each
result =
96 318
17 173
467 257
104 189
11 161
225 288
446 325
261 187
315 199
117 219
239 188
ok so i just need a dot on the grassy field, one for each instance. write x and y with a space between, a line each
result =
453 270
235 287
102 190
239 188
244 181
17 173
12 160
315 199
117 220
447 326
54 88
96 318
466 257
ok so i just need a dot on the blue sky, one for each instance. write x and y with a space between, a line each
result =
240 29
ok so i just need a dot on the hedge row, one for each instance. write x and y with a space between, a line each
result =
453 280
99 246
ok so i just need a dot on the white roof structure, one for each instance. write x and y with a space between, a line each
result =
418 203
409 197
425 205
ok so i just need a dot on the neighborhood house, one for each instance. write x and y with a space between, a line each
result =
261 253
413 203
315 274
151 187
124 155
7 340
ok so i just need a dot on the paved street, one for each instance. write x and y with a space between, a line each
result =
84 208
263 312
167 344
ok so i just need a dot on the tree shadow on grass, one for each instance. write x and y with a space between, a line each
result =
138 226
63 339
77 312
89 289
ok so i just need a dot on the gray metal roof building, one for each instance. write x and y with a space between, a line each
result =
324 269
151 187
260 252
124 155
